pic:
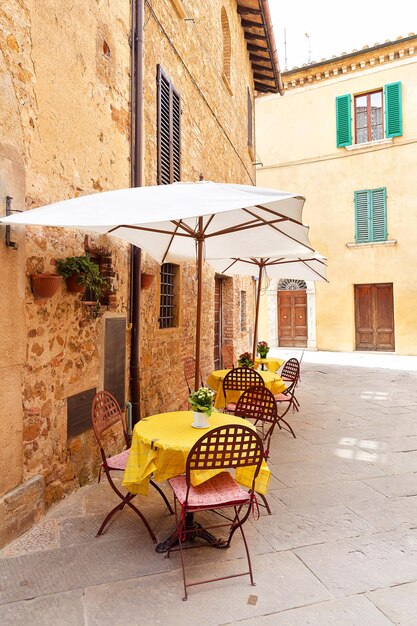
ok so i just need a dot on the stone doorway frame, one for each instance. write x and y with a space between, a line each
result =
273 313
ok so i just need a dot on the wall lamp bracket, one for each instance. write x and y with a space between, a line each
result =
9 211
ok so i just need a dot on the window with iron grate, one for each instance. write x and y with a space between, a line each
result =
168 308
168 131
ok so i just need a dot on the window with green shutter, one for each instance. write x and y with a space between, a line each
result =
371 113
393 110
343 121
371 215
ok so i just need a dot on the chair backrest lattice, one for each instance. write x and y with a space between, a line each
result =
105 413
240 379
227 356
291 371
189 364
226 447
257 403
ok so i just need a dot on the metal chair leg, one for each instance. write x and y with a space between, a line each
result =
163 496
144 520
265 501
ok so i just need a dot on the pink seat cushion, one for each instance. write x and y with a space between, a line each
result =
221 490
230 407
118 461
281 397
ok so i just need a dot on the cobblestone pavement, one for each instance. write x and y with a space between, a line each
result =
340 547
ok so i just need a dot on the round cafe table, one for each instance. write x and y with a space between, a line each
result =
272 363
160 446
215 381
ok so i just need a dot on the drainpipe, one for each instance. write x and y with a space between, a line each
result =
136 181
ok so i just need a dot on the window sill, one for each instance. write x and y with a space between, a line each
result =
369 144
372 244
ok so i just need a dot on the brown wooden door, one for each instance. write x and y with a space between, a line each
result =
292 318
217 322
374 317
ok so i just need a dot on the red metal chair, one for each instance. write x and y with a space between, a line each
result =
224 447
188 364
227 357
105 413
290 373
240 379
287 399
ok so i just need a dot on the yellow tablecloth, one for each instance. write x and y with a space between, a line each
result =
273 364
215 381
160 446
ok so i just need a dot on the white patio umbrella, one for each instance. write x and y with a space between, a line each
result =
308 267
182 221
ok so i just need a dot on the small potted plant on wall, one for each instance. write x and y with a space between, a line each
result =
81 274
44 286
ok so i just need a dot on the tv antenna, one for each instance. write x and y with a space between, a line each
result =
309 48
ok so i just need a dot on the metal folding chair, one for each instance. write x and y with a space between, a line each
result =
239 379
106 413
224 447
290 373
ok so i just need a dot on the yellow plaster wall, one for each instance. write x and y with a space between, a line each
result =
296 141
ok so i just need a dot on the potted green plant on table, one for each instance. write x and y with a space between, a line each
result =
262 349
245 360
81 273
202 402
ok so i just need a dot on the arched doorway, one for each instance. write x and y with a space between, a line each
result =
292 313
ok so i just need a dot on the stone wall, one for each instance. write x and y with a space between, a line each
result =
65 118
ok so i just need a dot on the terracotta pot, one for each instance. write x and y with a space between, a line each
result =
73 286
44 286
146 280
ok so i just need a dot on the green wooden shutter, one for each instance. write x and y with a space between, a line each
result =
393 110
362 205
343 121
378 214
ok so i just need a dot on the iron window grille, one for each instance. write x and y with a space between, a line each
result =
167 298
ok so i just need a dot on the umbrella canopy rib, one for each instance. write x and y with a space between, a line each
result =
272 225
285 217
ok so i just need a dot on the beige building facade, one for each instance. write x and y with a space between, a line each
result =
66 129
345 137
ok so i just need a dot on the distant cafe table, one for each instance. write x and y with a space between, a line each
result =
160 446
272 363
215 381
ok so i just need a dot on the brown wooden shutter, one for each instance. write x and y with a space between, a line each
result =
250 120
168 131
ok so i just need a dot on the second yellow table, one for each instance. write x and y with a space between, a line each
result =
215 381
272 363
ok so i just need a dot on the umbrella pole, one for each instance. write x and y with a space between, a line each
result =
200 243
258 299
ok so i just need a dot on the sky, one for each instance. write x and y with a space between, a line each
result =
334 27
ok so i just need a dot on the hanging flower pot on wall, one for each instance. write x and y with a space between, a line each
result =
146 280
44 286
73 285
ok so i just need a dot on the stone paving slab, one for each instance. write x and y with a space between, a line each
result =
63 569
282 582
364 563
405 485
303 527
338 492
353 611
391 514
62 609
399 603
